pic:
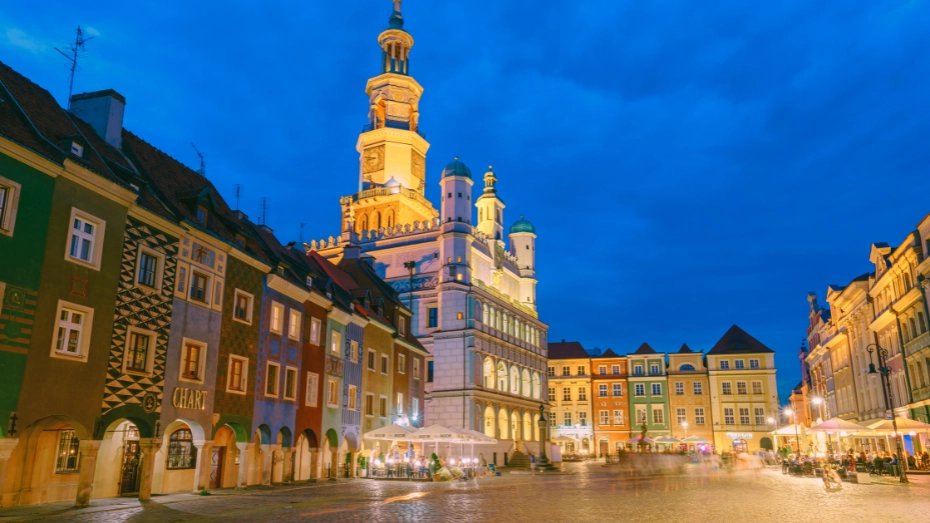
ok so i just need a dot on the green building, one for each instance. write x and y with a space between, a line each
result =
648 392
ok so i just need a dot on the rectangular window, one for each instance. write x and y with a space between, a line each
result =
401 325
757 387
71 326
582 370
332 393
759 414
277 318
372 357
290 383
192 359
218 293
385 362
739 364
656 389
382 406
550 371
753 364
83 240
429 371
637 370
604 417
681 415
201 215
602 390
353 351
551 393
567 417
415 409
237 374
641 416
552 421
313 385
658 415
699 416
566 370
679 388
743 416
401 364
618 418
727 388
369 404
148 267
137 352
432 314
69 453
582 394
724 364
639 389
353 392
400 403
181 451
583 419
335 341
698 388
741 387
416 368
315 331
271 379
618 389
615 369
654 369
242 307
199 284
728 418
602 371
293 325
9 201
566 394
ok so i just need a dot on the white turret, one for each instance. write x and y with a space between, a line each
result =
523 246
490 208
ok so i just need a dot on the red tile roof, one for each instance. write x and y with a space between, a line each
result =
738 341
645 349
566 350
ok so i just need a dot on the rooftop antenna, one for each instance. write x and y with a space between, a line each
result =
302 231
238 187
78 46
203 168
264 210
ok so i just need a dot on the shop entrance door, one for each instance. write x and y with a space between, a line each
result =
604 448
129 479
216 467
739 445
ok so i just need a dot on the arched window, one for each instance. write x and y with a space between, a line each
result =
488 372
527 385
537 386
501 377
376 220
363 223
498 213
181 451
686 366
389 219
514 380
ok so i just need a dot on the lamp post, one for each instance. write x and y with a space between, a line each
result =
411 266
797 436
884 371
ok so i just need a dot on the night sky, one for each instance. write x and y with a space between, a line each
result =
688 165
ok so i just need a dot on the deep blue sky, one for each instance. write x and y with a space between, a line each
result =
688 165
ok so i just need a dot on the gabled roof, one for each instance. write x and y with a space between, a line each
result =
645 349
738 341
609 353
566 350
685 349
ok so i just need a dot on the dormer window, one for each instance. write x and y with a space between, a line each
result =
201 215
309 281
240 240
280 270
77 149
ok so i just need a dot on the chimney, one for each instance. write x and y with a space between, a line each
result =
103 110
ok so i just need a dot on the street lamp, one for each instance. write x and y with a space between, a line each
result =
884 371
797 436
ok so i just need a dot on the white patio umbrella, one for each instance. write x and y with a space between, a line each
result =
564 439
668 440
696 439
389 433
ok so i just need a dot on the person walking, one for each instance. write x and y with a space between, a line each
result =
533 463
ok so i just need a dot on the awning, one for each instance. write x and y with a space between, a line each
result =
390 433
789 430
837 425
905 425
441 434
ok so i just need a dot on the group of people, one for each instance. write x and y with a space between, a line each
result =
881 462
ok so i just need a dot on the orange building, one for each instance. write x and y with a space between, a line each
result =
610 406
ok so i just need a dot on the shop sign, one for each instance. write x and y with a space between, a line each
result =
739 435
189 399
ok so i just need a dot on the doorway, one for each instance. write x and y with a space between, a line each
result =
604 448
216 467
739 445
129 479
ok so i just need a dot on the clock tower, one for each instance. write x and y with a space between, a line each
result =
392 150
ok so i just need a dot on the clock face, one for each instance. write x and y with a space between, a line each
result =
373 159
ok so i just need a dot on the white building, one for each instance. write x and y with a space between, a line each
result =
473 288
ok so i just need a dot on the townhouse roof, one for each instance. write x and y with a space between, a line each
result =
645 349
738 341
685 349
609 353
566 350
342 283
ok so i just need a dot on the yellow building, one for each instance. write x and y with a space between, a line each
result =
570 397
689 395
744 396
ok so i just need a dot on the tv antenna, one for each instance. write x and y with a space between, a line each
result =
238 187
264 210
78 47
302 231
203 168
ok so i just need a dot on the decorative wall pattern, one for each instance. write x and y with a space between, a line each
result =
17 313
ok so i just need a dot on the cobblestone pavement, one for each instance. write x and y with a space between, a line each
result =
594 493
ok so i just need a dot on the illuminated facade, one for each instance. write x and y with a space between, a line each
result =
569 391
474 292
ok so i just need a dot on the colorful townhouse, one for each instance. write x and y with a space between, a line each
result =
648 387
570 397
611 406
741 376
689 395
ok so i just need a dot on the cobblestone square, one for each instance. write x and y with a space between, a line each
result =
593 493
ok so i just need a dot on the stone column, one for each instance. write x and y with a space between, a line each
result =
287 473
267 463
6 451
202 470
314 464
243 479
148 446
88 456
334 469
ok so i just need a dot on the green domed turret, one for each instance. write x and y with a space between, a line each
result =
522 225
